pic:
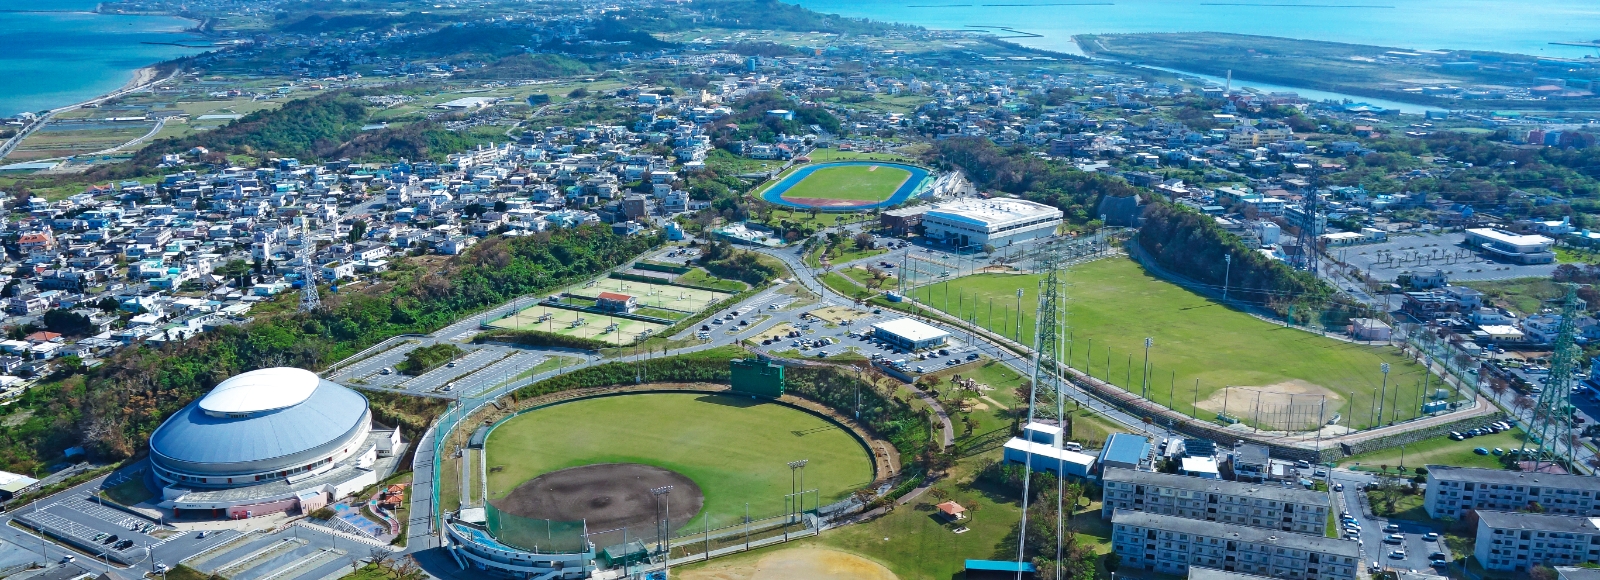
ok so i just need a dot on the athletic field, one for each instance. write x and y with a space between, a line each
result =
869 183
734 448
1239 360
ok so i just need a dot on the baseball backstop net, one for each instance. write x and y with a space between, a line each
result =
536 535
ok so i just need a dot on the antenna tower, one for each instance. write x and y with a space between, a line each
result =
1311 230
309 300
1551 425
1047 381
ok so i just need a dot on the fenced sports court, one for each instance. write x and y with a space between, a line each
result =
653 295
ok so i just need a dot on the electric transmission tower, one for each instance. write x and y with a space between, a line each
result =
1047 381
309 300
1311 230
1551 424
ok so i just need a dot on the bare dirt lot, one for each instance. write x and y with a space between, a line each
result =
607 496
794 564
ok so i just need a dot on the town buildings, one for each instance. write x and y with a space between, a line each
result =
1451 491
1518 542
1288 509
1172 544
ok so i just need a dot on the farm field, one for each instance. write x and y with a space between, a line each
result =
1113 304
734 448
870 183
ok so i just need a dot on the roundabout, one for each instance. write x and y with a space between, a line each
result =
847 185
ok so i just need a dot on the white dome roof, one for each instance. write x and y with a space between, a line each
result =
260 390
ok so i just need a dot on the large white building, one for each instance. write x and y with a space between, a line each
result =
1507 246
1171 545
996 222
269 441
1517 542
1453 490
1230 502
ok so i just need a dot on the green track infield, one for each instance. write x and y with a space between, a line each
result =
734 448
872 183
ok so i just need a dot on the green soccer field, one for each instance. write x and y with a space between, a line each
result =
850 182
734 448
1113 304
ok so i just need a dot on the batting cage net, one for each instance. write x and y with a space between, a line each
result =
536 535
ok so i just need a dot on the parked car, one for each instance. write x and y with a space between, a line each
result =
1398 554
1394 539
1391 529
1430 537
1481 451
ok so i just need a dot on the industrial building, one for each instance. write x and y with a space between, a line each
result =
269 441
1517 248
1263 506
1044 448
1517 542
909 334
994 222
1453 490
1171 545
1126 451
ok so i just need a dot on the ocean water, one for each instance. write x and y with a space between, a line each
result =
57 52
1516 26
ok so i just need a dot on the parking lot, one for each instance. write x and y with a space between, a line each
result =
850 331
1429 252
301 552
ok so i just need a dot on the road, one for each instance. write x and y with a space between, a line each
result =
1374 547
11 144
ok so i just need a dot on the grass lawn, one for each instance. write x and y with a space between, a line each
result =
863 277
1523 295
1440 451
839 283
659 313
130 492
733 448
700 277
842 254
850 182
823 155
1113 304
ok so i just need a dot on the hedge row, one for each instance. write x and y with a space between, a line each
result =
540 338
660 267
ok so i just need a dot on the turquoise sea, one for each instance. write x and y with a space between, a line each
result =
58 52
1517 26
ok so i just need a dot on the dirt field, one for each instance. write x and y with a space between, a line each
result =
1289 405
608 496
794 564
837 313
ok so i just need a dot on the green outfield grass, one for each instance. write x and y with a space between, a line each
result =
734 448
850 182
1114 304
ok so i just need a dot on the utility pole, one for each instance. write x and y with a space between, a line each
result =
1385 368
1227 272
1144 387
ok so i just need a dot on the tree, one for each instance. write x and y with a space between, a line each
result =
358 230
108 304
68 322
864 241
578 93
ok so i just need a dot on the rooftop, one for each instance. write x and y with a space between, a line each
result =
910 329
260 390
992 212
1267 492
1333 546
1125 448
1510 238
1539 522
1477 475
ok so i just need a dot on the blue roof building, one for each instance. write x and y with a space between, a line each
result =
1124 450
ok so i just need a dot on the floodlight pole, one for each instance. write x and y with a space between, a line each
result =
1145 370
666 536
1227 272
1385 392
795 467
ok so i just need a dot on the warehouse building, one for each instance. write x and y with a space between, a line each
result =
909 334
1171 545
269 441
1214 500
1451 491
995 222
1518 542
1043 447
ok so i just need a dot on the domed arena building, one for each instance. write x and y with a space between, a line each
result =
269 441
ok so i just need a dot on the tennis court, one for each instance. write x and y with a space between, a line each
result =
653 295
577 324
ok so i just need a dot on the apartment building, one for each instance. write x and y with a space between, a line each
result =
1233 502
1517 542
1171 545
1453 490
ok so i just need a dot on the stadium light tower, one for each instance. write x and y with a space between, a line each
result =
666 537
796 467
1385 368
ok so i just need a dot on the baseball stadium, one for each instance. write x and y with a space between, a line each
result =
632 477
848 186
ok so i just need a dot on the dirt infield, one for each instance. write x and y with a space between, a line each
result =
795 564
1289 405
608 496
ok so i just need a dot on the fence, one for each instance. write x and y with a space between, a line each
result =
540 536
